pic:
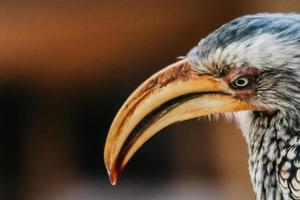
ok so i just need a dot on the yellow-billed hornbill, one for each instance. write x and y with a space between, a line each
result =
248 68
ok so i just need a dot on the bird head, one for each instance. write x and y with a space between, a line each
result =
249 65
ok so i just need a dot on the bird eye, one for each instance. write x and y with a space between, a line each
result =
241 82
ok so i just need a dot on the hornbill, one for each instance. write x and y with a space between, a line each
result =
248 69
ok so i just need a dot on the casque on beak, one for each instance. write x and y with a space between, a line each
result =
176 93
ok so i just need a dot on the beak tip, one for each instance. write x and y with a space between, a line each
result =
113 176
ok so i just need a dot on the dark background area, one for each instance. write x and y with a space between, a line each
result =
65 69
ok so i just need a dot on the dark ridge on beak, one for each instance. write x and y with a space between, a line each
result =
150 118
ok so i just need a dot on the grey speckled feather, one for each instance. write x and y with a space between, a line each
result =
270 43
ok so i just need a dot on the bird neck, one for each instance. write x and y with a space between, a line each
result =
266 137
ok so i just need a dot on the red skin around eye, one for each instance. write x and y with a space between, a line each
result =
233 74
245 93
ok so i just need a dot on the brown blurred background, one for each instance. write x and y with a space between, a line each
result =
65 69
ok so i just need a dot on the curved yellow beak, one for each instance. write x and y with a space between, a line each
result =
176 93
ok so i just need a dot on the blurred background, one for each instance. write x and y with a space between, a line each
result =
65 69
